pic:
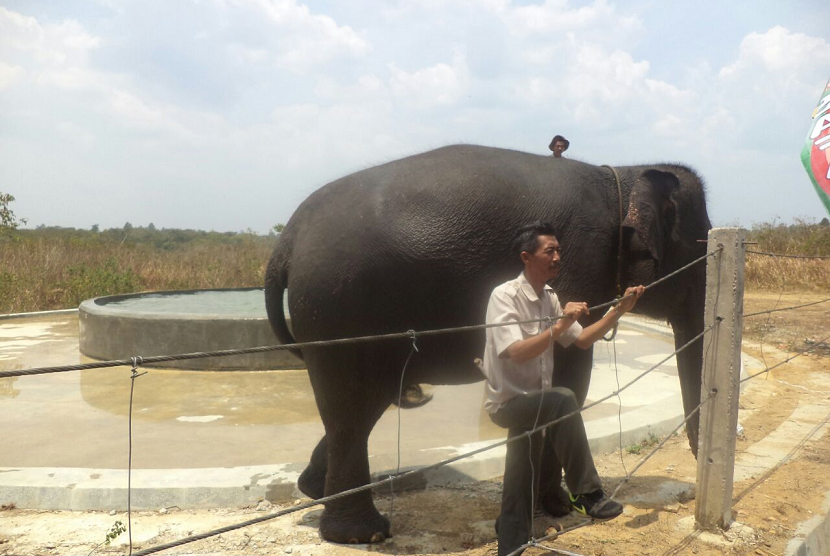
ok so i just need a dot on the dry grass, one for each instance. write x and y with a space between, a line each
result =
767 273
773 273
57 268
57 271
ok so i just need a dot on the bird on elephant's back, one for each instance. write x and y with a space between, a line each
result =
419 243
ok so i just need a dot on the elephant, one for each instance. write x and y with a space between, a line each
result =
420 243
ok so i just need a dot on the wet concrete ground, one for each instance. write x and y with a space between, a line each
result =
208 419
74 424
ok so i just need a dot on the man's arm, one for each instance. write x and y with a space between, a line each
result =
597 330
523 351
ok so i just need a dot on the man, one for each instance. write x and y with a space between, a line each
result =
518 365
559 145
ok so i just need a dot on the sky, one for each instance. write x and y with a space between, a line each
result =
226 114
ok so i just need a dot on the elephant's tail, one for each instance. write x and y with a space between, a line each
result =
276 284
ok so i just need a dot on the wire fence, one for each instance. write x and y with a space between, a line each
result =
770 311
135 362
410 334
786 256
422 470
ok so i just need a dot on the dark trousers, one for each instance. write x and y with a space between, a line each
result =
538 459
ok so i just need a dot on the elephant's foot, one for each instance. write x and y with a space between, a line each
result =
366 527
556 502
312 483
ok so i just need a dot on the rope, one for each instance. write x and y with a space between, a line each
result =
788 359
556 550
619 245
368 486
134 374
785 308
619 405
816 257
662 443
400 397
535 542
320 343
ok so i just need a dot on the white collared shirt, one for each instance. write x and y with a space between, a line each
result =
516 301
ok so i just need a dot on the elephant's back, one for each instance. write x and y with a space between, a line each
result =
438 226
460 189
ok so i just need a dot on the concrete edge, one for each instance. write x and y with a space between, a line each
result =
812 538
9 316
81 489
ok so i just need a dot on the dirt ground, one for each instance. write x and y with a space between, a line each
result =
659 500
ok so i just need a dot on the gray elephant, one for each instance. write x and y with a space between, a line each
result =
420 243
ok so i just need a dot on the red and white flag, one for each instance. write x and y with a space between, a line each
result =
816 152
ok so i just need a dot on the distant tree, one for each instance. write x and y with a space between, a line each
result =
8 220
128 227
95 228
278 228
151 227
824 222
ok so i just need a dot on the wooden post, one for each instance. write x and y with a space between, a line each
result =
721 374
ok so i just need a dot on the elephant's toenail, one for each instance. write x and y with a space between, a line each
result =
354 540
378 537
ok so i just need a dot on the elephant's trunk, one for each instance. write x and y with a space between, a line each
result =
690 361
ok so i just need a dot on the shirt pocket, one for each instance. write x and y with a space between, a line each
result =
530 329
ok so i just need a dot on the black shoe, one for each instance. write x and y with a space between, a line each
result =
596 505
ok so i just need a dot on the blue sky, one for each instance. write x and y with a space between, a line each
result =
226 114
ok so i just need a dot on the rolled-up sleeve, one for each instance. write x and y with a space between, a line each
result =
502 309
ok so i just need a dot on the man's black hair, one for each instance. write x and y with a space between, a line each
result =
559 138
527 238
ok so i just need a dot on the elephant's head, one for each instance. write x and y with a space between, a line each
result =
666 222
666 217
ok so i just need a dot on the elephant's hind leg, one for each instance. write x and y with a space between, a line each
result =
350 404
312 481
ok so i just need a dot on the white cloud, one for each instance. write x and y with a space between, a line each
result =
57 58
556 16
9 74
441 84
302 38
268 99
770 88
780 52
52 45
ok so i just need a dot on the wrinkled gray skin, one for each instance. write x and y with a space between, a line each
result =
420 243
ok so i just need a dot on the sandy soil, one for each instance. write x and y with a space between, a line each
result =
659 500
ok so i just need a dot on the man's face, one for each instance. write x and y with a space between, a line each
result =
545 260
558 148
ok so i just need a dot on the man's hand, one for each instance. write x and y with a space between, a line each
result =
627 303
597 330
574 310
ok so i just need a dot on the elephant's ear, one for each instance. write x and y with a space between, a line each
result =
651 210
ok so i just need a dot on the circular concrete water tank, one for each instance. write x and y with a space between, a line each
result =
173 322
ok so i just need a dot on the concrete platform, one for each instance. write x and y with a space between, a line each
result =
206 439
183 321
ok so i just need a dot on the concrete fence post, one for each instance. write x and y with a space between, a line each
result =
721 374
